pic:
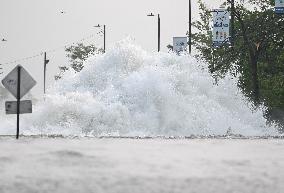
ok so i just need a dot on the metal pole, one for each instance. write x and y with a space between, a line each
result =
159 33
233 22
104 38
44 72
18 101
189 28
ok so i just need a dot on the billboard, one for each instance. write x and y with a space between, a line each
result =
221 27
279 6
179 44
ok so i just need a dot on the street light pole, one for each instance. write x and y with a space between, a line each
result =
159 30
104 32
189 28
159 33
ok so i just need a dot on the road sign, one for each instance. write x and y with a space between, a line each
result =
179 44
10 82
279 6
221 27
18 82
25 107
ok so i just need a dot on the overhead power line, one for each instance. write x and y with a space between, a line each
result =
49 51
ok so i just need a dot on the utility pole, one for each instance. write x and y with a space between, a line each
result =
159 33
104 38
44 72
189 28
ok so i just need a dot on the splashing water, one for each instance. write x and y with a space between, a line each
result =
129 92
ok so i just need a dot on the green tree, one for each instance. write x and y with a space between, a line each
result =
257 56
77 55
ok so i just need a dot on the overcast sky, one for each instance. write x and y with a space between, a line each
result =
34 26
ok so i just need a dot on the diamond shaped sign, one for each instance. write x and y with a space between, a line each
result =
10 82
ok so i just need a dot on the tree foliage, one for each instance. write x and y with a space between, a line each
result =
259 32
77 55
257 56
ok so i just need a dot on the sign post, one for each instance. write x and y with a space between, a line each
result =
18 101
221 27
279 6
18 82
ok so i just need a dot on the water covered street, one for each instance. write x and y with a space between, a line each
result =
141 165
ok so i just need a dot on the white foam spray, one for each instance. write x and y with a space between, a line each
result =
129 92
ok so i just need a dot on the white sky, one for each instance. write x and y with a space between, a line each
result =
35 26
